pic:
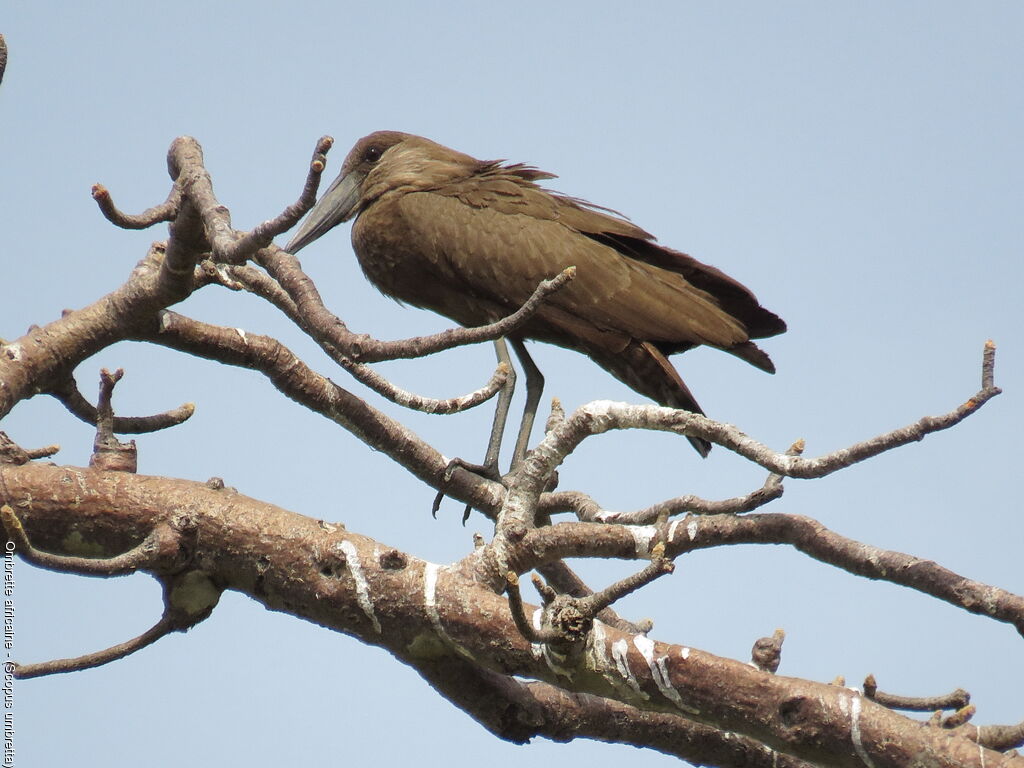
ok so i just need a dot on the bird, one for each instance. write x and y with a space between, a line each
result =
472 239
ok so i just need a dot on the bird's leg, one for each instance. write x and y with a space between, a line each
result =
501 411
489 468
534 389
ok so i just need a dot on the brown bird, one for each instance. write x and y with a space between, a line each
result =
471 239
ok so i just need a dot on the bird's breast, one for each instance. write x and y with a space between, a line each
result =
405 261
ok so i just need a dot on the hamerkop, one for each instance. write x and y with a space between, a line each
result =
471 239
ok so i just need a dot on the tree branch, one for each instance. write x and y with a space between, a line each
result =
344 581
566 540
329 331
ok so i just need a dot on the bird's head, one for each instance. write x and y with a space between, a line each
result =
381 163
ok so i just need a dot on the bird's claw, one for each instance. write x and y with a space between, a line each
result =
483 470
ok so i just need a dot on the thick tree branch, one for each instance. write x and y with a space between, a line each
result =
422 612
517 712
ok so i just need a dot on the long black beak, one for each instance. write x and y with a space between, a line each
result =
337 205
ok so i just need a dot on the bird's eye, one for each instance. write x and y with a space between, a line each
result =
372 154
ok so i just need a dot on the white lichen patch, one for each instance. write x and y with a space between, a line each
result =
643 535
355 567
620 655
430 574
194 594
659 672
553 659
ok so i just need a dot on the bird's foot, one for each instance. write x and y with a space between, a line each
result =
486 471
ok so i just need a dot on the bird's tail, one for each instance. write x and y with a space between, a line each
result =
642 367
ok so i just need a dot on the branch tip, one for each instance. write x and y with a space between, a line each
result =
955 700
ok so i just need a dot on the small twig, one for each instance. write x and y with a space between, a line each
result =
547 594
659 566
12 453
260 284
42 453
150 553
556 417
297 381
385 388
263 234
163 627
954 700
109 453
166 211
328 329
602 416
960 717
522 621
691 504
766 654
579 503
563 578
68 394
189 598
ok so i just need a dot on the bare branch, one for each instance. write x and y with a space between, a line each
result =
659 566
42 453
261 284
468 620
57 666
152 552
12 453
566 540
189 598
328 330
522 621
954 700
166 211
960 717
382 386
771 490
68 394
294 379
565 580
262 235
602 416
108 452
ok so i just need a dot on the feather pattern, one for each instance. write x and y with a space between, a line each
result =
472 239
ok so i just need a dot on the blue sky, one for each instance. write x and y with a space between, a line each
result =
857 164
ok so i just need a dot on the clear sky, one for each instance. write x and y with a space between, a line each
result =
857 164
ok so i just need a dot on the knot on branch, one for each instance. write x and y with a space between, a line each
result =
109 453
565 621
766 654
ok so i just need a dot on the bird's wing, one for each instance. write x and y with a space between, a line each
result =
499 240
